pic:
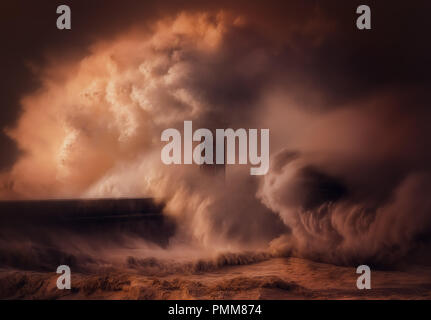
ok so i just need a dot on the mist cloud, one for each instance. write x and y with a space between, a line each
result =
348 179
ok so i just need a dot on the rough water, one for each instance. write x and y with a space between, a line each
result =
139 257
228 276
270 278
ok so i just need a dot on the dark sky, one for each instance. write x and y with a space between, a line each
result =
396 52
